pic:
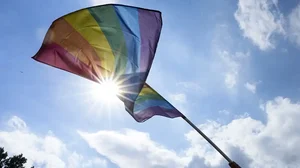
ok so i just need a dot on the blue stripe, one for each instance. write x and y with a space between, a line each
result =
151 103
130 25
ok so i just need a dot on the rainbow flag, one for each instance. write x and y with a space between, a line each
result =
114 41
149 103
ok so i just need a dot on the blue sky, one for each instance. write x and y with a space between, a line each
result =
230 66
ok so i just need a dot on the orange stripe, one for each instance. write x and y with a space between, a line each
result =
86 25
63 34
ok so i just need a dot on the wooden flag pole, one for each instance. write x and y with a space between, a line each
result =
232 164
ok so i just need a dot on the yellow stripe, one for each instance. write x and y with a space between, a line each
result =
146 91
85 24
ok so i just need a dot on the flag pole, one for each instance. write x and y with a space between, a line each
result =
232 164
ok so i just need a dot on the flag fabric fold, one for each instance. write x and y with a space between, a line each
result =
110 41
149 103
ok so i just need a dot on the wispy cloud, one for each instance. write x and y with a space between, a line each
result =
260 20
17 123
179 97
228 58
251 87
231 79
179 100
225 112
294 25
189 86
232 67
232 63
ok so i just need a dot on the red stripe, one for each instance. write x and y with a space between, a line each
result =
56 56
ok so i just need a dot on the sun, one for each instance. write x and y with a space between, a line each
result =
107 91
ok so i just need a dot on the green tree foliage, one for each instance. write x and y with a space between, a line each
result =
16 161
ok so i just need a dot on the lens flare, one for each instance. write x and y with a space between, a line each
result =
106 91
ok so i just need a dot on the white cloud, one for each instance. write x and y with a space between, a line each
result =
102 2
41 151
131 148
179 97
249 142
294 25
221 134
35 148
74 160
260 20
251 87
274 144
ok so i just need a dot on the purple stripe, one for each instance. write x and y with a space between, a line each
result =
156 110
150 28
56 56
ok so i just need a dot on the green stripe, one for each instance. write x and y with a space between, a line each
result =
142 98
109 23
